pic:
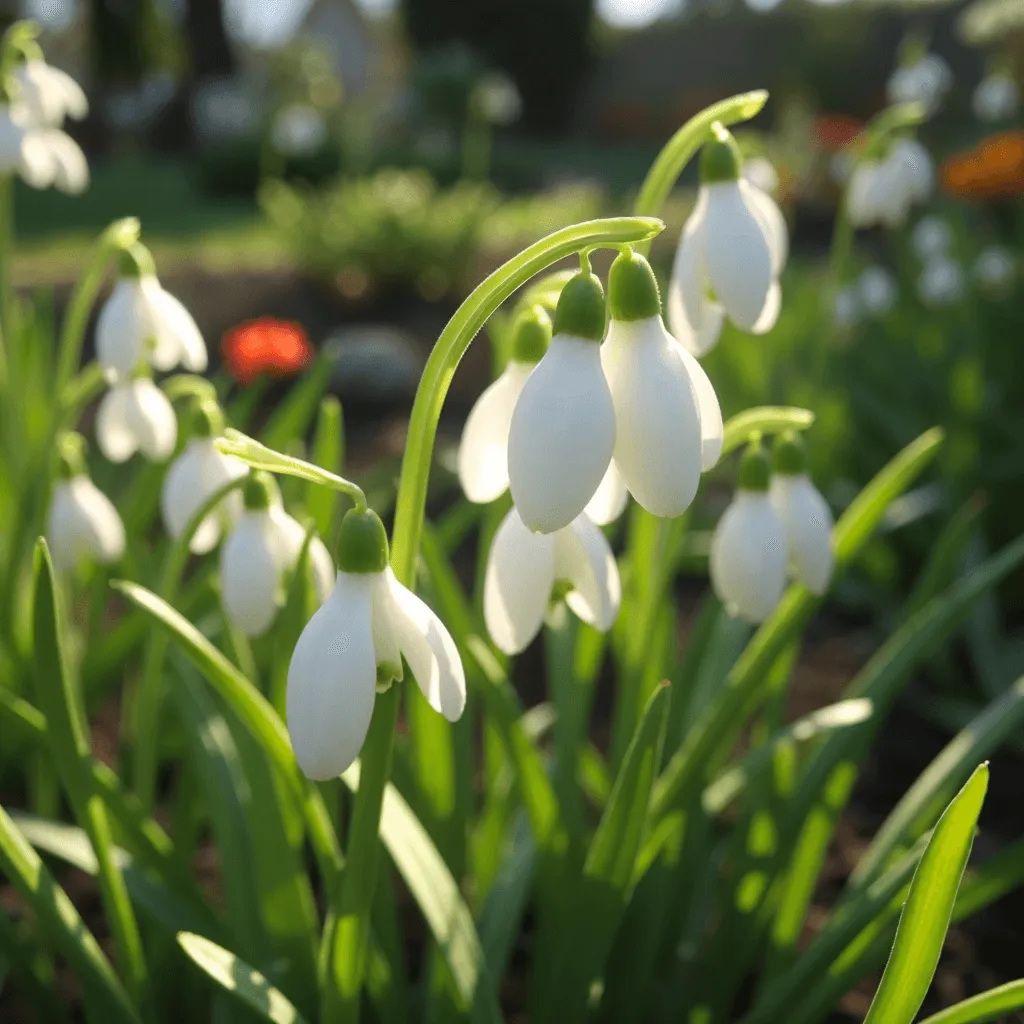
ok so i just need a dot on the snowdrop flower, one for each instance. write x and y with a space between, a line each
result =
942 283
48 94
761 173
483 450
805 516
140 321
298 130
525 568
497 98
994 269
883 188
925 81
731 253
354 645
748 548
997 97
136 416
562 431
195 476
41 157
877 290
262 548
82 524
932 237
667 419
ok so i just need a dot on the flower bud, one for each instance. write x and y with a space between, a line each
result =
362 543
789 455
720 158
531 335
581 308
260 491
632 288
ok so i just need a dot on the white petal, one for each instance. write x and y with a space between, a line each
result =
83 524
562 435
808 522
774 223
151 417
114 433
583 557
517 586
178 339
293 537
712 429
123 328
250 573
687 289
70 169
385 632
737 258
748 557
658 430
49 94
323 568
609 500
770 314
483 451
331 681
430 651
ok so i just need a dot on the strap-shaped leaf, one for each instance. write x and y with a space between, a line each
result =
925 919
990 1005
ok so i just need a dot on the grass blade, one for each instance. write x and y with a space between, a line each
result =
990 1005
242 981
925 918
328 453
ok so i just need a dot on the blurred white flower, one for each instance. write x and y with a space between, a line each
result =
805 516
261 549
932 237
298 130
523 569
925 81
82 525
941 283
995 269
140 321
498 98
749 549
877 291
562 431
356 642
41 157
761 173
47 94
729 258
136 416
997 97
883 189
846 307
193 479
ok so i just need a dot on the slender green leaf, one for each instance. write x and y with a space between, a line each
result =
328 453
925 918
990 1005
245 983
293 416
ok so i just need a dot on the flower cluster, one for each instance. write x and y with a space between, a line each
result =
35 100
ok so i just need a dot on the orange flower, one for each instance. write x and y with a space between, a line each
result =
994 169
266 345
834 131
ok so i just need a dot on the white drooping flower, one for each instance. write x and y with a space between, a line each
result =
48 94
562 431
941 283
193 479
805 516
525 568
354 644
997 97
883 188
748 549
298 129
483 449
932 237
136 416
668 424
42 157
877 290
260 551
729 258
82 524
995 269
140 321
925 80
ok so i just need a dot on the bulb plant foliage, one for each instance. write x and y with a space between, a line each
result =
357 758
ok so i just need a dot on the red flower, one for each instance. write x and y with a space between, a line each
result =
266 345
834 131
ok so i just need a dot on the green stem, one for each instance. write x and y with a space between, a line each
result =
149 696
120 235
682 147
7 340
348 945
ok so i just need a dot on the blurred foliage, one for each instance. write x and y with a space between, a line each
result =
544 45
